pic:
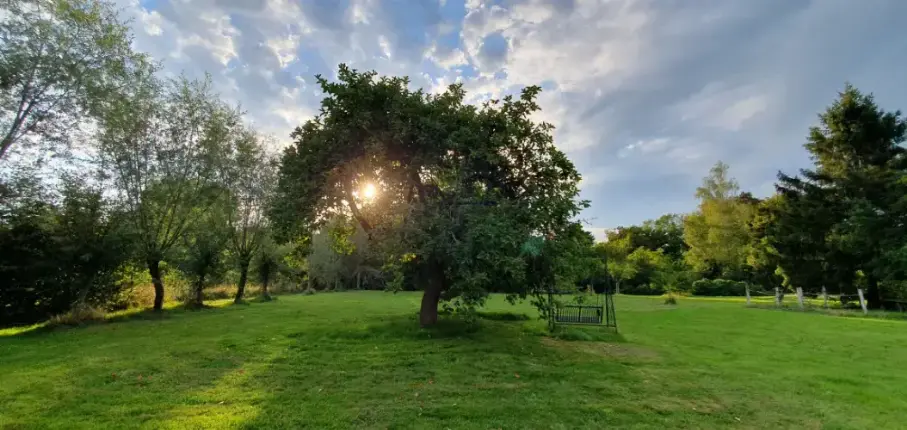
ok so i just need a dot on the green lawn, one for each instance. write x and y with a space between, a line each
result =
358 360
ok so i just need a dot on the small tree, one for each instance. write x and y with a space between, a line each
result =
331 246
205 246
615 252
718 232
59 60
251 187
266 265
91 242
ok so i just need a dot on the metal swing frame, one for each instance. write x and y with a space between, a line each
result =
600 313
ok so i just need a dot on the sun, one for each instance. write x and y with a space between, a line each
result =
369 191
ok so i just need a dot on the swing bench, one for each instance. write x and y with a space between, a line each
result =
578 309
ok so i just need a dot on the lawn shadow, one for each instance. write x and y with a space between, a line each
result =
387 372
587 334
173 311
158 363
503 316
406 327
47 327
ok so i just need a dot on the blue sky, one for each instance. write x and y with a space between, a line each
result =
646 94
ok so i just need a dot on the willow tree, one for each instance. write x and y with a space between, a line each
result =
451 190
60 60
168 147
253 174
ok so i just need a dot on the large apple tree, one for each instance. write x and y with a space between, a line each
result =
449 191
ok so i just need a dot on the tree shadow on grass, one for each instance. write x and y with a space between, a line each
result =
175 369
587 334
387 372
503 316
177 311
406 328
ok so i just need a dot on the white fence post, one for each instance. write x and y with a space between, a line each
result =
825 296
747 293
800 296
777 296
862 301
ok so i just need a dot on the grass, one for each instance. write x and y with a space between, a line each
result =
358 360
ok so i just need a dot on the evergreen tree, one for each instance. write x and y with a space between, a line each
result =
842 218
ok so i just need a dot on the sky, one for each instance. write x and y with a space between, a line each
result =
646 95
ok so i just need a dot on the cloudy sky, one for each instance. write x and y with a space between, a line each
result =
646 94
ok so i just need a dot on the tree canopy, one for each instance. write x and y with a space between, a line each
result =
60 62
843 220
717 233
459 187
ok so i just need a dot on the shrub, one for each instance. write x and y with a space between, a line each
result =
718 287
53 256
670 299
77 316
219 292
651 289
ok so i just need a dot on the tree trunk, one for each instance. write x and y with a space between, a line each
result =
199 290
154 269
617 286
5 144
428 313
243 276
265 295
873 294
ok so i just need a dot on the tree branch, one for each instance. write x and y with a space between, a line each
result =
355 209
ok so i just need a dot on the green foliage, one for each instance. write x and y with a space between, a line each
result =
203 252
844 217
267 264
169 147
557 263
54 257
460 187
60 61
665 233
717 233
251 179
719 287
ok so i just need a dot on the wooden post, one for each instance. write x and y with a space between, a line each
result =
825 297
862 301
800 296
777 296
747 285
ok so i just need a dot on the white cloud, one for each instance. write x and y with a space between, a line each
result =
644 146
285 48
645 95
718 106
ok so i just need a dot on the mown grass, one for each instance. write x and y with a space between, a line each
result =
358 360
